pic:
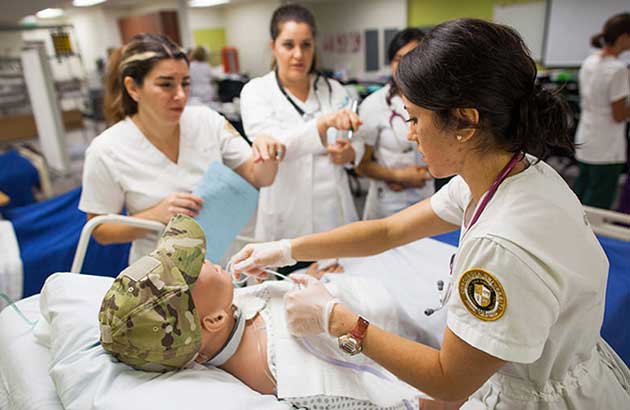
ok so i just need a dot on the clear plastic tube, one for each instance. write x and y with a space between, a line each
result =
17 309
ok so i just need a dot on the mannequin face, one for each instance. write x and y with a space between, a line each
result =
294 50
164 92
213 292
400 54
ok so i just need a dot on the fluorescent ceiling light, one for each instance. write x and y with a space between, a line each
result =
206 3
49 13
86 3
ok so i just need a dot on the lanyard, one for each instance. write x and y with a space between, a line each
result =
445 294
297 108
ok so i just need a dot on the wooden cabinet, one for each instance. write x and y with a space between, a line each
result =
162 22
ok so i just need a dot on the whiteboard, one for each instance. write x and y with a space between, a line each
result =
570 25
526 18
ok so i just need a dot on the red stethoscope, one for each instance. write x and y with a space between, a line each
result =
445 294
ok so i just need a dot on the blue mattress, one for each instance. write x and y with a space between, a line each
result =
615 328
48 233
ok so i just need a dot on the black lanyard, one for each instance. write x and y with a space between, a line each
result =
297 108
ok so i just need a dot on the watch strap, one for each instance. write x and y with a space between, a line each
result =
360 329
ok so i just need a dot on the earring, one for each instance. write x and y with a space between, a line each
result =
459 138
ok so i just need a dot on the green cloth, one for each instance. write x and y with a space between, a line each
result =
597 184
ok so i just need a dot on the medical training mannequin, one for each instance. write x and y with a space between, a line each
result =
605 110
526 299
398 176
151 159
172 307
304 111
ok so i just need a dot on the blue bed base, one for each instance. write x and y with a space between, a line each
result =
615 329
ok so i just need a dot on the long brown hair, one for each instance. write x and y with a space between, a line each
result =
134 60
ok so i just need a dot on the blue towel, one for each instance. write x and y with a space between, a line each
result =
48 233
615 328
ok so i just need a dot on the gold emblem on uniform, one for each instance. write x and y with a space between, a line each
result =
482 294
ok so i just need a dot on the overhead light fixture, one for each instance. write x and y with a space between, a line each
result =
206 3
49 13
86 3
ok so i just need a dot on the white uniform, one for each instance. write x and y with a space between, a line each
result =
123 169
310 193
388 135
201 89
603 80
529 288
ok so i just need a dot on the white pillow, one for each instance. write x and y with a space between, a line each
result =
87 377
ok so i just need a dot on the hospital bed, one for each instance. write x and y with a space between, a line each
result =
30 375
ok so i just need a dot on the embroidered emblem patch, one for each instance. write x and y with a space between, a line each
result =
482 294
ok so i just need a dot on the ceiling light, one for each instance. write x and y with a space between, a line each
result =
206 3
49 13
86 3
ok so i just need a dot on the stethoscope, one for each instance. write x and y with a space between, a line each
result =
306 116
445 294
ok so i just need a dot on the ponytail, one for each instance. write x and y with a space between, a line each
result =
113 90
597 40
541 124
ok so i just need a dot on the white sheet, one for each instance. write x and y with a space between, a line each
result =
409 272
10 263
24 380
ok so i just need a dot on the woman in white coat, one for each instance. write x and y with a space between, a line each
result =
157 150
398 175
528 281
303 110
604 94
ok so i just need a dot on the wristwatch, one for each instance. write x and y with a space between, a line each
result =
352 343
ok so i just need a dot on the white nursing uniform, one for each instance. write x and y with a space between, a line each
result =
529 288
603 80
310 193
124 170
388 135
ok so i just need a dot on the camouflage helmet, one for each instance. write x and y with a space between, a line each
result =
147 318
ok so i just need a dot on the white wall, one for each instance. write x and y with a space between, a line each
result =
357 16
526 18
247 29
206 17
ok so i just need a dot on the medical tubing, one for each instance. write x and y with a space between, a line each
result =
17 309
240 282
342 363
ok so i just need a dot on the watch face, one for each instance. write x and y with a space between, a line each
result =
350 345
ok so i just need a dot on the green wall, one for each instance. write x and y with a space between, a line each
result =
422 13
213 39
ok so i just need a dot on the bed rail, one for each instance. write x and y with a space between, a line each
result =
609 223
86 232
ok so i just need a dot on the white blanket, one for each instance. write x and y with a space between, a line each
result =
10 264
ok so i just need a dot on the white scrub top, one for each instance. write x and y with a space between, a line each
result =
529 288
603 80
392 150
310 193
123 169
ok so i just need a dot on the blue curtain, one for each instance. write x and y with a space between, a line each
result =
18 177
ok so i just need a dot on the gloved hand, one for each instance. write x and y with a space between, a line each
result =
256 256
308 309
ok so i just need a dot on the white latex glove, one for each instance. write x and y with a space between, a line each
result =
256 256
308 309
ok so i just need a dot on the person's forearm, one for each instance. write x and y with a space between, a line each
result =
415 363
374 170
111 233
362 238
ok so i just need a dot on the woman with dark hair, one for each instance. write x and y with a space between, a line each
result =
304 110
398 175
526 298
600 136
157 149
